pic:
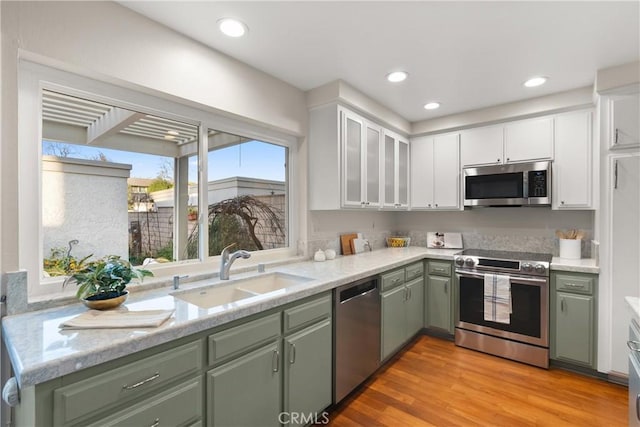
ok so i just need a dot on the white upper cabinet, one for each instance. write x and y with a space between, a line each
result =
482 146
528 140
521 141
361 156
354 162
573 165
624 111
395 171
435 172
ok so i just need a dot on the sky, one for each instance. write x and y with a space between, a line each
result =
253 159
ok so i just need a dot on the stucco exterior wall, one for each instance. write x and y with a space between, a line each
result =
87 201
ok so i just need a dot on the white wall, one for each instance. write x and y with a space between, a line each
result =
105 41
69 211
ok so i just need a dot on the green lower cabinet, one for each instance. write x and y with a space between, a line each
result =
307 373
402 315
439 303
574 332
393 323
415 306
246 391
178 406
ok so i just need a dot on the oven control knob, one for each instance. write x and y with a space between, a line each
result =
527 267
469 262
459 261
540 268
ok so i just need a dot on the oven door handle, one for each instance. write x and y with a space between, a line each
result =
516 279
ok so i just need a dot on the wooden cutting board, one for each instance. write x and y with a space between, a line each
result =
346 243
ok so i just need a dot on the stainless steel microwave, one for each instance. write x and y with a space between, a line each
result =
518 184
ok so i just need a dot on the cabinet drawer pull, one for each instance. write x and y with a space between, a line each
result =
634 346
139 383
276 361
574 285
292 358
156 423
439 270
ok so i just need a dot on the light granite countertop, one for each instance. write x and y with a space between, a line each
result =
41 351
584 265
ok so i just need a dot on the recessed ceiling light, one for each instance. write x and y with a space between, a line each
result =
431 105
232 27
535 81
397 76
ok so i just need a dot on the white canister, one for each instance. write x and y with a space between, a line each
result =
330 254
570 248
319 256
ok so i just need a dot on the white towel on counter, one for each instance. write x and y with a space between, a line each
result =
115 319
497 298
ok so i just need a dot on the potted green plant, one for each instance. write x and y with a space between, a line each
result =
102 283
192 213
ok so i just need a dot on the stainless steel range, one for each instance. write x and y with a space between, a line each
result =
503 304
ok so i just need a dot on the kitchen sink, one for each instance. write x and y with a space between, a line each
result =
237 290
270 282
213 296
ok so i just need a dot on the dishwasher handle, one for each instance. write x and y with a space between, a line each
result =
357 290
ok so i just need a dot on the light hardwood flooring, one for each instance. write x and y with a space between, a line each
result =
435 383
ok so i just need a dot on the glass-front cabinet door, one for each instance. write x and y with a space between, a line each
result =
352 151
396 171
372 197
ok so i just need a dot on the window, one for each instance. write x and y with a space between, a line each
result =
148 144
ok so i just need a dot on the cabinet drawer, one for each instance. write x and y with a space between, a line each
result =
413 271
439 268
307 313
392 279
129 382
244 337
180 405
571 283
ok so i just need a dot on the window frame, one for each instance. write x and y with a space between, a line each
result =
33 78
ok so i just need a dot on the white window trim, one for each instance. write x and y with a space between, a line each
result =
33 78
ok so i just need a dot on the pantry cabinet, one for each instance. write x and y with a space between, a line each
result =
435 172
573 164
624 129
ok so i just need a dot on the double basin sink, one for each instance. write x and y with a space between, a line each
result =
238 290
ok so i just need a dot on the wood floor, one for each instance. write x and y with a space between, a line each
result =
435 383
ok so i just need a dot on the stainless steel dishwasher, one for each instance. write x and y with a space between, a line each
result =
357 334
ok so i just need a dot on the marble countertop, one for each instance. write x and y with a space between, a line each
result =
41 351
584 265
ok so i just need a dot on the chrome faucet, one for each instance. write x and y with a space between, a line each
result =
227 258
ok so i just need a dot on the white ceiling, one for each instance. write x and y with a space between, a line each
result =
466 55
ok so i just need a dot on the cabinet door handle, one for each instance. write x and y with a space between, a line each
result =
615 138
292 357
638 406
634 346
615 174
498 160
410 293
139 383
275 361
446 287
562 304
156 423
